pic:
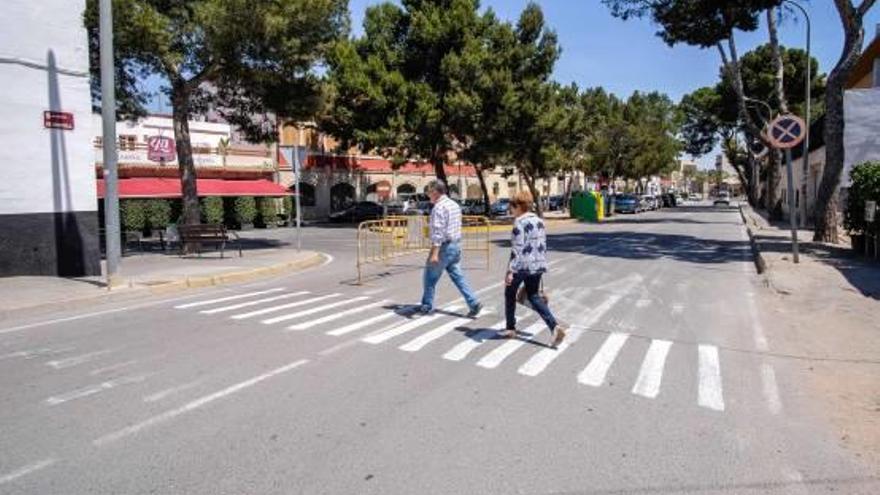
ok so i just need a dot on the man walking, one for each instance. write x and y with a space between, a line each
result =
445 234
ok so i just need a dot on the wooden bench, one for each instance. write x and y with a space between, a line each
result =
196 235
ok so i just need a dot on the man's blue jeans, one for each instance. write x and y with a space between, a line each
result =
450 261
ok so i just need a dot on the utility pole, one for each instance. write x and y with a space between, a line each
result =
112 237
297 173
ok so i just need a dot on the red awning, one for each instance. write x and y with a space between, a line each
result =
157 187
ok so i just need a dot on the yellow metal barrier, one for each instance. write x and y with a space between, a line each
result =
379 241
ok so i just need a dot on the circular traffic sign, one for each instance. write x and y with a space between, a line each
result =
786 131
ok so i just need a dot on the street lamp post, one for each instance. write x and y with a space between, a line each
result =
112 238
808 96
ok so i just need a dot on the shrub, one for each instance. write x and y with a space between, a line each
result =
267 214
157 213
212 209
244 210
132 214
865 187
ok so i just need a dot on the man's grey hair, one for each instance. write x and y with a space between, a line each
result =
437 186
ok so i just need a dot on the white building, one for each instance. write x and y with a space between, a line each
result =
48 205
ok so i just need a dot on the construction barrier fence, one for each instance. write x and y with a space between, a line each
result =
380 241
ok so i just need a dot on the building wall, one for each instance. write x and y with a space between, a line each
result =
48 204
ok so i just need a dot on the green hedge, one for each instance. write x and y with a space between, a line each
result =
267 212
244 210
141 215
865 187
212 209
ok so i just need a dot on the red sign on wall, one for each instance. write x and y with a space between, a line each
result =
58 120
161 149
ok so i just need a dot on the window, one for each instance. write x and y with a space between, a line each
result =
127 142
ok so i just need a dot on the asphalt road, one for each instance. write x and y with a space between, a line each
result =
310 384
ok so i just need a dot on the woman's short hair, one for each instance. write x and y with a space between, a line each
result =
522 200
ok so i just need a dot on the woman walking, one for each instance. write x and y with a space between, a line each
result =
528 263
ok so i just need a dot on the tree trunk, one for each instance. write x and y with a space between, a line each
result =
190 195
854 34
773 202
566 202
778 64
439 163
484 189
536 195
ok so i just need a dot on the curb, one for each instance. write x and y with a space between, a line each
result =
760 262
132 292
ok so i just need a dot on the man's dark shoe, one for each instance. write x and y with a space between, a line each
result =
475 311
426 310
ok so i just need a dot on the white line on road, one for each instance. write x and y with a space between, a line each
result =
94 389
30 468
393 331
651 373
505 350
771 389
112 367
228 298
273 309
311 311
426 338
191 406
361 324
77 360
594 374
171 391
336 316
757 328
710 395
462 350
253 303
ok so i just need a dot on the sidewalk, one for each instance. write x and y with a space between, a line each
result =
151 273
826 312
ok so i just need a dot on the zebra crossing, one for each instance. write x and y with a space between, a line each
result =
378 322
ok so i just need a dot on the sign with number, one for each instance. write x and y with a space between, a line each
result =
786 131
161 149
58 120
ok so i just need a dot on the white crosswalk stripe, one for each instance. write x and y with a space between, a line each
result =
336 316
594 373
710 388
362 324
462 350
311 311
224 309
282 307
651 373
426 338
224 299
505 350
394 331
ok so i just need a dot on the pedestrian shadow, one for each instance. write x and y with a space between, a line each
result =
482 334
412 311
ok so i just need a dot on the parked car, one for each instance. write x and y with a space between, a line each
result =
694 197
358 212
627 203
555 202
501 207
473 207
723 199
647 202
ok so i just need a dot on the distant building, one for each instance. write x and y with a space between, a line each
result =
48 208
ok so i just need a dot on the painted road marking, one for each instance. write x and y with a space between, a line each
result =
426 338
336 316
651 373
757 329
505 350
473 341
171 391
273 309
710 395
94 389
389 333
771 389
191 406
112 367
224 309
361 324
77 360
539 362
311 311
595 372
228 298
30 468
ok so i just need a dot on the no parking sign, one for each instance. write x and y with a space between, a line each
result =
786 131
